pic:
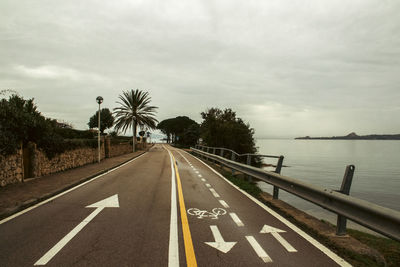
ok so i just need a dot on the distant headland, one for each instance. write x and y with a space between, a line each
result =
354 136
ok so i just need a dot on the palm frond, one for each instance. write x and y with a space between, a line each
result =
134 110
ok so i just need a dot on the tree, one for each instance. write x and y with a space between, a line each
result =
221 128
182 130
106 120
134 111
21 122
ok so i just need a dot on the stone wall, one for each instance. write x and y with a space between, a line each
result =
119 149
67 160
11 168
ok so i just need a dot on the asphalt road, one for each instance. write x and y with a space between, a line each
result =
164 208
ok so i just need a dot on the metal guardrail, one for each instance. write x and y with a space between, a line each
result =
235 156
377 218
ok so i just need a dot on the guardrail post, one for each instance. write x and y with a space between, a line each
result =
214 153
221 153
248 162
344 189
233 159
278 168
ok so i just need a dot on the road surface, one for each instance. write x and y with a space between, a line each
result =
164 208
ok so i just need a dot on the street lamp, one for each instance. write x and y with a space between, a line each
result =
99 100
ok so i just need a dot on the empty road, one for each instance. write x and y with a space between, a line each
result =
164 208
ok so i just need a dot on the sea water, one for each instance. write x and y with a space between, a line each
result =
323 162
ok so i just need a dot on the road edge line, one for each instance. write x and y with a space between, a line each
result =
28 206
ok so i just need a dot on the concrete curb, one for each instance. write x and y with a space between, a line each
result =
31 202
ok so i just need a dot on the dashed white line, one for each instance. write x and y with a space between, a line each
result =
200 175
208 185
197 172
215 194
258 249
236 219
203 179
223 203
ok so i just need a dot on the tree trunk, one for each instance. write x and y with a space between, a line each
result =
134 136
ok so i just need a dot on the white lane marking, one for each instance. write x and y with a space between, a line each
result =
312 241
208 185
220 243
173 249
197 172
200 175
258 249
203 179
65 192
236 219
223 203
110 202
275 233
215 194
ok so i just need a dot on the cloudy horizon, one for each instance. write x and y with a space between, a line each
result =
288 68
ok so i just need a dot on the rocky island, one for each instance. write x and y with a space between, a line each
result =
354 136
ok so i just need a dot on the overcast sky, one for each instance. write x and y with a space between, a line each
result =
289 68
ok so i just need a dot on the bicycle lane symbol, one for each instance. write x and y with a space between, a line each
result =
213 214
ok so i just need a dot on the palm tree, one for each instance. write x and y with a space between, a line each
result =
134 111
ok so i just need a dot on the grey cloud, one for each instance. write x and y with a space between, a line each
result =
282 65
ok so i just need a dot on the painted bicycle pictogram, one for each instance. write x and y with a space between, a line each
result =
213 214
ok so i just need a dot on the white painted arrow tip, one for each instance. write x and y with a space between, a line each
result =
269 229
222 246
110 202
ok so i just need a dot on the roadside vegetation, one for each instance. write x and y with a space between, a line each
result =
181 131
106 120
219 128
21 122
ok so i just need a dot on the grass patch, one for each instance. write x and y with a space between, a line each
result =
389 248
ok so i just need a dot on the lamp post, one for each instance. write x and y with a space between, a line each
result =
99 100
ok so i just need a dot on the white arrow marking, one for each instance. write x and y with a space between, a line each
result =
275 233
258 249
219 243
111 202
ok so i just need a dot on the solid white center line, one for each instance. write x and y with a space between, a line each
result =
215 194
258 249
236 219
223 203
208 185
173 249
